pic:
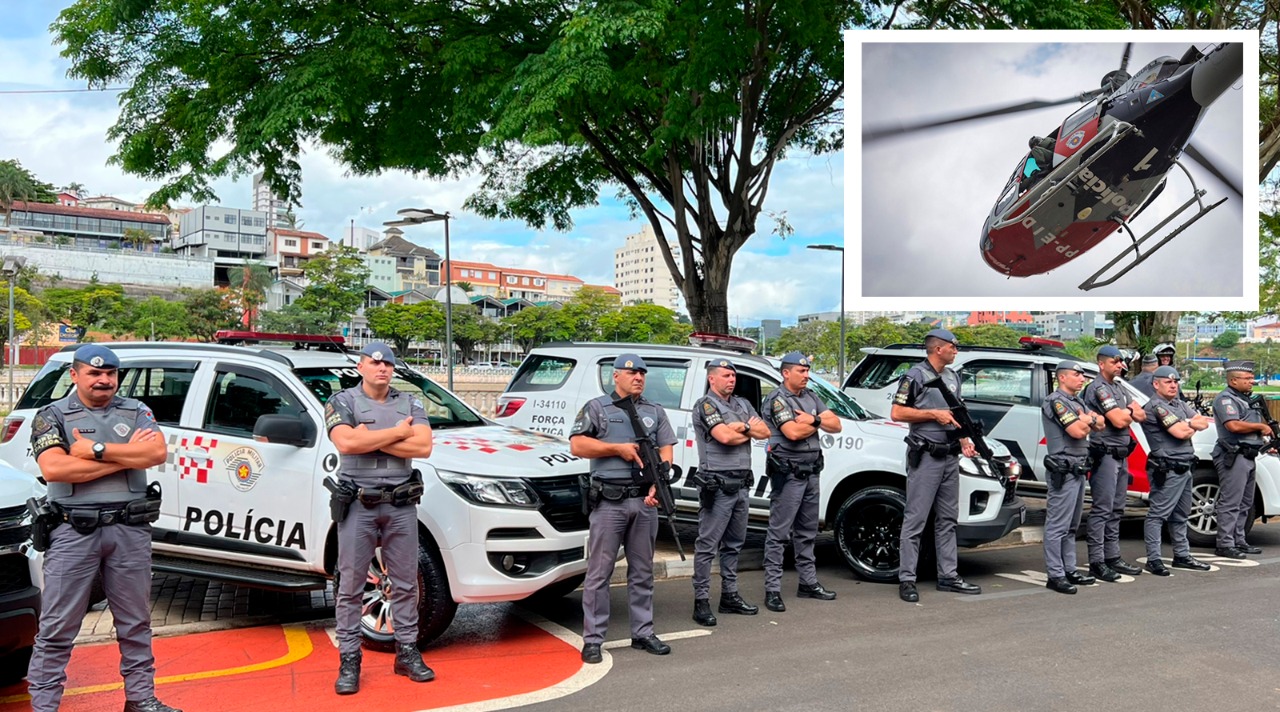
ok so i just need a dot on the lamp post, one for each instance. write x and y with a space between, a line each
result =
12 265
421 216
837 248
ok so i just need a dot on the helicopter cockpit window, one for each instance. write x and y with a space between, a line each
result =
1078 119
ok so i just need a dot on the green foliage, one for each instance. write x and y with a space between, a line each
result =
337 281
159 319
987 335
581 315
17 184
402 324
94 306
534 326
1226 340
644 323
29 313
293 319
468 330
208 311
819 339
248 285
136 238
1144 330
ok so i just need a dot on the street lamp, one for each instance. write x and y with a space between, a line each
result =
421 216
12 265
837 248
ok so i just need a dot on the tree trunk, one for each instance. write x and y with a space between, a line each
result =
707 292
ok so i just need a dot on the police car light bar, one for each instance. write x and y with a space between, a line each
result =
226 336
722 341
1035 342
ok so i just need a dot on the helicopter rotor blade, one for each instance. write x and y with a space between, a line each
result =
1208 165
876 134
1124 58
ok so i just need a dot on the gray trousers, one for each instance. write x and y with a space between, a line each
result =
358 535
123 554
634 526
1172 504
793 516
1235 501
935 485
1108 486
723 526
1061 521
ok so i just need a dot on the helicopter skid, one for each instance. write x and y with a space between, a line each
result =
1095 281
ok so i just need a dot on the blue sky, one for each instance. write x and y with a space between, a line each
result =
62 139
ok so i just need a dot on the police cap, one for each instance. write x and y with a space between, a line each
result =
1166 372
97 356
1109 351
722 363
1070 366
1245 366
379 351
795 358
943 334
630 362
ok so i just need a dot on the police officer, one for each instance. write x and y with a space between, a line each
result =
725 425
933 464
794 415
378 430
1067 425
1142 381
1169 426
93 448
1109 450
623 504
1241 433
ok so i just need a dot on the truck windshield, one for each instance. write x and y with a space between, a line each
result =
443 409
837 400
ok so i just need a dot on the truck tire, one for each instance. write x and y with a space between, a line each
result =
1202 522
436 606
868 529
13 666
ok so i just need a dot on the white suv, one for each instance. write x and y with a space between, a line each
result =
863 485
500 519
20 574
1005 387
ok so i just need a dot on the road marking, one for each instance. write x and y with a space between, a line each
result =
1003 594
1204 559
297 642
1263 562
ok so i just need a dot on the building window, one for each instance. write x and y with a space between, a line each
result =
259 222
493 275
290 243
229 219
317 245
246 220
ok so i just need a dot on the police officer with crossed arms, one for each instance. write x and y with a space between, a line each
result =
933 464
93 448
622 499
377 430
795 415
724 425
1169 426
1067 425
1241 433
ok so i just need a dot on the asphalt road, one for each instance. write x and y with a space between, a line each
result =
1193 641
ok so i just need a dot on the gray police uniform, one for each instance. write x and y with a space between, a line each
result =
625 522
793 509
1109 481
122 552
1235 483
359 533
935 482
724 523
1171 501
1142 382
1065 503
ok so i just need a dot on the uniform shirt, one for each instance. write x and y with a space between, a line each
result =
712 410
1232 405
1059 411
1101 397
114 423
1142 382
355 408
780 407
913 393
602 420
1162 415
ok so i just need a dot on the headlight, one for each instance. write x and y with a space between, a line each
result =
504 492
975 466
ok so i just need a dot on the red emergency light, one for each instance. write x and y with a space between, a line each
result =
722 341
1035 342
226 336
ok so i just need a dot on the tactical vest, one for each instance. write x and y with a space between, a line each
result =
1161 442
1245 414
1056 439
618 429
932 399
714 455
1109 435
113 424
377 468
802 451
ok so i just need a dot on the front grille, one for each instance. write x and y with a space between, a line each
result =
561 502
15 525
14 575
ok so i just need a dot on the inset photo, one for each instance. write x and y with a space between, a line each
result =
1037 169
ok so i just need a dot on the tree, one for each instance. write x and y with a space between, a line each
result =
208 311
468 330
248 284
136 238
580 316
812 338
987 335
1143 331
93 306
17 184
402 324
683 108
337 280
29 315
74 188
156 318
293 319
466 287
1226 340
533 326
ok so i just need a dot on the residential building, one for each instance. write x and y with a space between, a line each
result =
1007 318
267 202
361 238
293 249
90 228
416 267
640 273
561 287
107 202
65 198
483 277
231 236
1263 331
524 284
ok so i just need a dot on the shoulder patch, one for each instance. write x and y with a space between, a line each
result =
40 425
1229 407
1059 407
707 408
781 411
903 396
331 417
1167 418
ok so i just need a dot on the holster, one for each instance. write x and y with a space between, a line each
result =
1061 466
1224 455
1097 451
1158 468
584 486
341 495
43 521
777 470
918 446
408 492
708 484
146 509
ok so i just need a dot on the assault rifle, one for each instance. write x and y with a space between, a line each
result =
655 467
1258 403
968 428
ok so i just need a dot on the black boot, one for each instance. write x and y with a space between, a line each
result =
733 603
702 612
409 663
150 704
773 601
1119 565
1102 572
348 675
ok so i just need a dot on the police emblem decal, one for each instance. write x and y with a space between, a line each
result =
376 355
627 364
244 467
1075 139
96 361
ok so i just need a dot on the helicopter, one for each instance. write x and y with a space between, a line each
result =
1103 165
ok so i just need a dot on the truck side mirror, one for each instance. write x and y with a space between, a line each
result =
285 429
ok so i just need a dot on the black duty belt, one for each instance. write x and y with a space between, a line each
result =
728 474
615 492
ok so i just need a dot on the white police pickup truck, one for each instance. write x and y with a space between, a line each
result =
863 485
20 574
500 519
